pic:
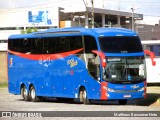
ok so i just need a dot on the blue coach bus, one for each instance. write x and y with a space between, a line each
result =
77 63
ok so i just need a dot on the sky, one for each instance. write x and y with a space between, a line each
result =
149 8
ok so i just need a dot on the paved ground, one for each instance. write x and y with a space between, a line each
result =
10 102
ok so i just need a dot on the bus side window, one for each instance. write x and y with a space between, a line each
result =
36 46
92 60
62 44
50 45
10 45
25 46
76 42
14 45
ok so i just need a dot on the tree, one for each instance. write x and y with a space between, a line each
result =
29 30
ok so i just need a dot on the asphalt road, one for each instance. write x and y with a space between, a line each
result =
10 102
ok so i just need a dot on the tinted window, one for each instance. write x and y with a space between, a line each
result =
28 46
76 42
14 45
48 45
62 44
90 44
35 46
120 44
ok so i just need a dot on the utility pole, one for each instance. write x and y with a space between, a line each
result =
132 18
92 18
103 4
133 9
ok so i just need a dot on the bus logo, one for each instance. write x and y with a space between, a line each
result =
72 62
135 86
124 51
11 61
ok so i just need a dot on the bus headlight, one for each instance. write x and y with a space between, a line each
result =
109 89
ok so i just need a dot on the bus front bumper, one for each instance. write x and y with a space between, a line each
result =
125 95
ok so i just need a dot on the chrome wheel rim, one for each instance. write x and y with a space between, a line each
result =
33 93
25 92
84 95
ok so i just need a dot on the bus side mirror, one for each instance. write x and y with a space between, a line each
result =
152 56
102 57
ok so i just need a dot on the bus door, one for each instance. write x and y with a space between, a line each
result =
91 59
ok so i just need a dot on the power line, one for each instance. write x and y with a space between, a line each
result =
135 2
147 3
90 13
84 3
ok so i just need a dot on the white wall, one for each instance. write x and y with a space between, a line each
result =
13 18
4 36
20 17
153 72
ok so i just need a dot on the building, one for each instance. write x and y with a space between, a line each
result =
51 14
148 32
60 13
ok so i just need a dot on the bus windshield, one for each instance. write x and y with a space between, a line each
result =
125 69
120 44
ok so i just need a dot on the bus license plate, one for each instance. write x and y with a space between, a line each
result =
127 96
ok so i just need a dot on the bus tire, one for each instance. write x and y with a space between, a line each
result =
32 95
24 93
122 102
83 96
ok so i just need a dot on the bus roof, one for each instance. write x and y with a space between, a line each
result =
77 31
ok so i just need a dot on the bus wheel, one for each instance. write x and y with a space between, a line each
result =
24 94
83 96
122 102
32 95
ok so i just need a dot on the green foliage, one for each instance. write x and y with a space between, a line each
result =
29 30
3 84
